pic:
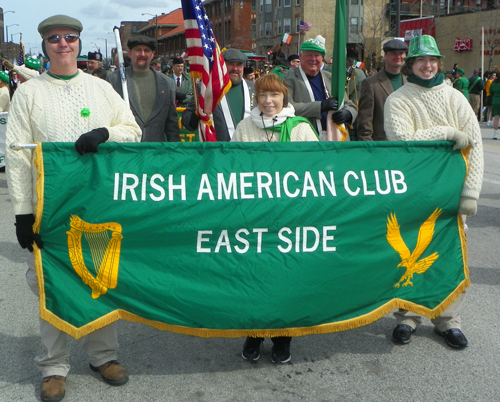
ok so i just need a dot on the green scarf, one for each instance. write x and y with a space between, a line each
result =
285 128
436 80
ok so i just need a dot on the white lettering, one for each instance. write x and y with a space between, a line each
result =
285 240
327 238
222 187
205 188
346 183
201 239
242 240
172 187
365 185
308 185
259 232
305 230
157 187
264 185
285 184
130 187
399 180
324 182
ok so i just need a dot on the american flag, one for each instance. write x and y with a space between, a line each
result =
304 26
20 59
205 62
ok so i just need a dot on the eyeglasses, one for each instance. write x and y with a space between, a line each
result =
70 38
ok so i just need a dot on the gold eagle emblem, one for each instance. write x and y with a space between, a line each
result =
409 261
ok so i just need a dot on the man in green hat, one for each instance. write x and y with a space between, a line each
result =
428 109
461 83
48 108
309 88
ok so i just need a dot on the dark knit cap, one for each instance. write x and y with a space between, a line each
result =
94 56
58 21
352 53
141 40
293 57
177 60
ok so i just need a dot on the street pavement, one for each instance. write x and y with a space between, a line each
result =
358 365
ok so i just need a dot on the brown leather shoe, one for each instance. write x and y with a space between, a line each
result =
112 372
53 388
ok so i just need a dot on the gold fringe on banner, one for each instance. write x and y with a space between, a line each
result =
353 323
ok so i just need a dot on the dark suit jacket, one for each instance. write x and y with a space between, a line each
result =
221 131
186 88
298 95
374 92
162 124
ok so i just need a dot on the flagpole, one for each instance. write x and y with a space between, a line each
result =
121 62
338 132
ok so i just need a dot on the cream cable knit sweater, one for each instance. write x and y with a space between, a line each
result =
247 131
45 109
415 113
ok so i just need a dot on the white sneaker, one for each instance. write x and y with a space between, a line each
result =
489 124
495 135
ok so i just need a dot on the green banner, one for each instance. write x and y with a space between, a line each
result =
235 239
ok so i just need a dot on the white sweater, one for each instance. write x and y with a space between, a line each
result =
247 131
4 99
45 109
415 113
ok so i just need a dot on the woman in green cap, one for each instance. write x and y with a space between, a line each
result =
426 109
4 91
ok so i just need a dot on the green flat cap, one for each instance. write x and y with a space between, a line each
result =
141 40
234 56
57 21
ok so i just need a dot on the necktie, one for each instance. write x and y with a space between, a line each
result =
178 82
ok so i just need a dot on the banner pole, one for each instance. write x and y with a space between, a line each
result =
121 62
18 147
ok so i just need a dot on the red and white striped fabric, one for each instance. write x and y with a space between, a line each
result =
206 63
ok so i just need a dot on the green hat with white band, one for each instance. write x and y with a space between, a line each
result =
424 45
32 62
316 45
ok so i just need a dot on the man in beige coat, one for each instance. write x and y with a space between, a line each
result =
375 90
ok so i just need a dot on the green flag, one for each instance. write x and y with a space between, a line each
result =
237 239
339 52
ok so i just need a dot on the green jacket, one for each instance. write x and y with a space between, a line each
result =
462 84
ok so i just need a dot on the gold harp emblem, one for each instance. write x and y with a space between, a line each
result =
104 250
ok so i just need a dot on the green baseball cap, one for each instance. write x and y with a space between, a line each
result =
424 45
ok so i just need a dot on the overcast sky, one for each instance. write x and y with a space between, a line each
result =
98 19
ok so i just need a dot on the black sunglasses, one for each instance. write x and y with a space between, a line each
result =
70 38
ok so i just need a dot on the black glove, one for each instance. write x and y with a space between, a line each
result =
88 142
180 97
342 116
329 104
193 121
24 232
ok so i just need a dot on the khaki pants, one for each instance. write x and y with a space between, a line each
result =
475 102
449 319
101 346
